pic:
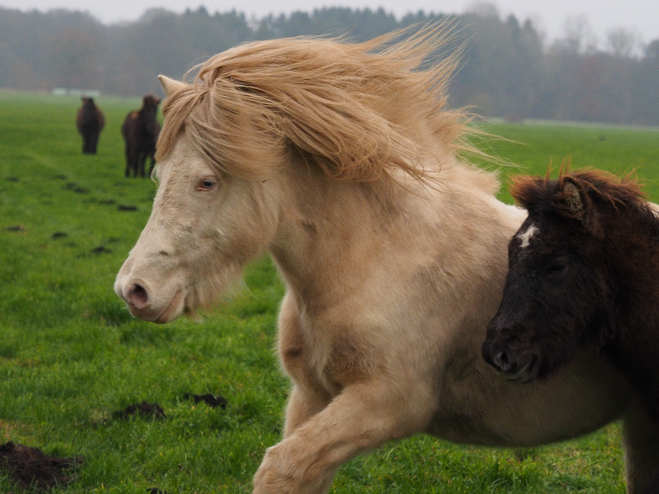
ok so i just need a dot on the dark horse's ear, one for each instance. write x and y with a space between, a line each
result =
574 202
572 199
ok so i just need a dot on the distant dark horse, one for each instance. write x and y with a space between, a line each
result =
583 272
140 130
90 122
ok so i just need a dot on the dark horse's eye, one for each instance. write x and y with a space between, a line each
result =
206 183
556 266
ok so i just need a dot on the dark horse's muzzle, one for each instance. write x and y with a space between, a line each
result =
513 359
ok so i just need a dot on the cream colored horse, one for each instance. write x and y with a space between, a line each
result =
340 161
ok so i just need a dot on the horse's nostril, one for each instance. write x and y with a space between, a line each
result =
502 360
138 296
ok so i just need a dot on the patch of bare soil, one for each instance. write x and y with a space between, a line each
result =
30 468
209 399
75 188
143 409
101 249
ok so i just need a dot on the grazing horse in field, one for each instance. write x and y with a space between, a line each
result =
341 161
90 123
140 131
584 272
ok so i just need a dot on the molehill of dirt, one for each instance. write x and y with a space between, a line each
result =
210 400
30 468
143 409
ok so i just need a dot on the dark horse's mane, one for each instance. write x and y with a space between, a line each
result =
605 191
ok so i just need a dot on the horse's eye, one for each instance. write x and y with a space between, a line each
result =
206 183
556 267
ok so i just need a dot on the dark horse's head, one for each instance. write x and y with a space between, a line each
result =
560 289
149 111
88 109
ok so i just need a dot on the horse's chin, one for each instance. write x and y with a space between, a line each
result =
174 310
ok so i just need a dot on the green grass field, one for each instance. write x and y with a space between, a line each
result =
71 355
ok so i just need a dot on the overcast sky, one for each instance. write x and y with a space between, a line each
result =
549 16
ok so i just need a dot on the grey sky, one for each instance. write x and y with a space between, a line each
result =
550 16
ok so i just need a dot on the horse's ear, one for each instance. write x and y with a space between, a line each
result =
169 86
577 204
572 198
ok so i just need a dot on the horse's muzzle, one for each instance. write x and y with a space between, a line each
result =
517 366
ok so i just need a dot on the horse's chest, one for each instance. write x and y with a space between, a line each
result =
327 355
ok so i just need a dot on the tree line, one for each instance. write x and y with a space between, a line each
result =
505 70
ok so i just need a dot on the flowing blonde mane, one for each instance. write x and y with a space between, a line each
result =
359 111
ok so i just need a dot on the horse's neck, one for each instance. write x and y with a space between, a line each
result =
326 233
146 114
89 113
632 254
633 260
333 236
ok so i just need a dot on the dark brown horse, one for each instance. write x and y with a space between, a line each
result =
583 272
90 122
140 131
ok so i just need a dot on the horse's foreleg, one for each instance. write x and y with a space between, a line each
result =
361 418
302 405
86 144
641 445
308 397
129 160
141 161
96 138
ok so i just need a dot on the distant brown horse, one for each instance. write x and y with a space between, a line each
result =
90 122
140 131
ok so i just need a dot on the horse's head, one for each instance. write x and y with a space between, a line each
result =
559 290
244 145
149 112
204 227
88 107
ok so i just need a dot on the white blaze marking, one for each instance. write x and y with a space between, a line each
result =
526 236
